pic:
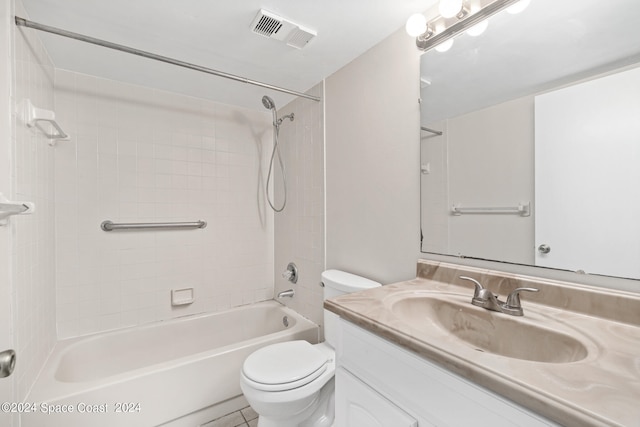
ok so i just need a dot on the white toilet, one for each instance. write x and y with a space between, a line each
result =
291 384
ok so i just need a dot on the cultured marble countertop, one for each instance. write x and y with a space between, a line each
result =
602 389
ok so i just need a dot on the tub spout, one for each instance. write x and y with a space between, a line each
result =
288 293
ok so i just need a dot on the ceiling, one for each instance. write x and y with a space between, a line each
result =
216 34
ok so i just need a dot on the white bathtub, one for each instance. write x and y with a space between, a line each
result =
178 372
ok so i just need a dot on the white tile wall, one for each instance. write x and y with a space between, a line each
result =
142 155
33 247
299 228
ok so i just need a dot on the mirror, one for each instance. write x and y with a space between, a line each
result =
500 183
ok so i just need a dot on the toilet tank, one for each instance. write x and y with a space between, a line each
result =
338 283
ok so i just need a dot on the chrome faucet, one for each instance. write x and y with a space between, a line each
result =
484 298
288 293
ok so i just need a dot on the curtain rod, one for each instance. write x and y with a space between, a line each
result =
21 22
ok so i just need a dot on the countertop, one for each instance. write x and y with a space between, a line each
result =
602 389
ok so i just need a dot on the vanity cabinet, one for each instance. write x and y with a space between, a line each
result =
361 406
376 378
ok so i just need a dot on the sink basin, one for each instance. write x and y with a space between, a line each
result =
488 331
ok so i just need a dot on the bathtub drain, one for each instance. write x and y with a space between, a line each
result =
285 321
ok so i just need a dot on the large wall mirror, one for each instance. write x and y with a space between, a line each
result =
538 160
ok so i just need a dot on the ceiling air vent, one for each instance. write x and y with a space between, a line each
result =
270 25
266 24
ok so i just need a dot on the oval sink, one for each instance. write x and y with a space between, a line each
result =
489 331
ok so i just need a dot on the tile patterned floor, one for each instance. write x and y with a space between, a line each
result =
246 417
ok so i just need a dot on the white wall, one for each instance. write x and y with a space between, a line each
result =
372 162
299 228
142 155
33 239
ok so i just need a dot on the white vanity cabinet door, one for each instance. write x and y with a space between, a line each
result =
358 405
434 396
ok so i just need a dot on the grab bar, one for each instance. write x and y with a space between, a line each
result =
110 226
523 209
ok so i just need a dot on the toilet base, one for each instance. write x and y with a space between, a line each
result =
320 413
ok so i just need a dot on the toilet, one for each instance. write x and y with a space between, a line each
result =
291 384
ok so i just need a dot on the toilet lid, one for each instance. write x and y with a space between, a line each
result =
285 363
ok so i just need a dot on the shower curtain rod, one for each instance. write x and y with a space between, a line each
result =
21 22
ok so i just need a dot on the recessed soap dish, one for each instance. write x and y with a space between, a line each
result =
182 296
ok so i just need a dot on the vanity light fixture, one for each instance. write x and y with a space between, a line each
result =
455 17
416 24
478 29
444 46
451 8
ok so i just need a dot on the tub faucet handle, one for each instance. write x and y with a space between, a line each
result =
291 273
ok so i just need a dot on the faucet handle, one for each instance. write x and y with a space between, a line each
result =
513 305
478 285
291 273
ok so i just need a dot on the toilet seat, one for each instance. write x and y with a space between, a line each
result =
284 366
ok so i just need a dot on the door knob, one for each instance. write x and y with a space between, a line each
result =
544 249
7 363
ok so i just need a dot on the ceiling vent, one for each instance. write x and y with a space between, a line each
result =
266 24
270 25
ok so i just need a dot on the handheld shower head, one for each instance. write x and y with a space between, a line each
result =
268 103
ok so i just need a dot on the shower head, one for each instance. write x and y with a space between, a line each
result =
268 103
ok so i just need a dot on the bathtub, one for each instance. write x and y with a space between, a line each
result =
175 373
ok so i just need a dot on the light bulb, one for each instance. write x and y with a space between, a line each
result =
478 29
450 8
445 45
518 7
416 24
